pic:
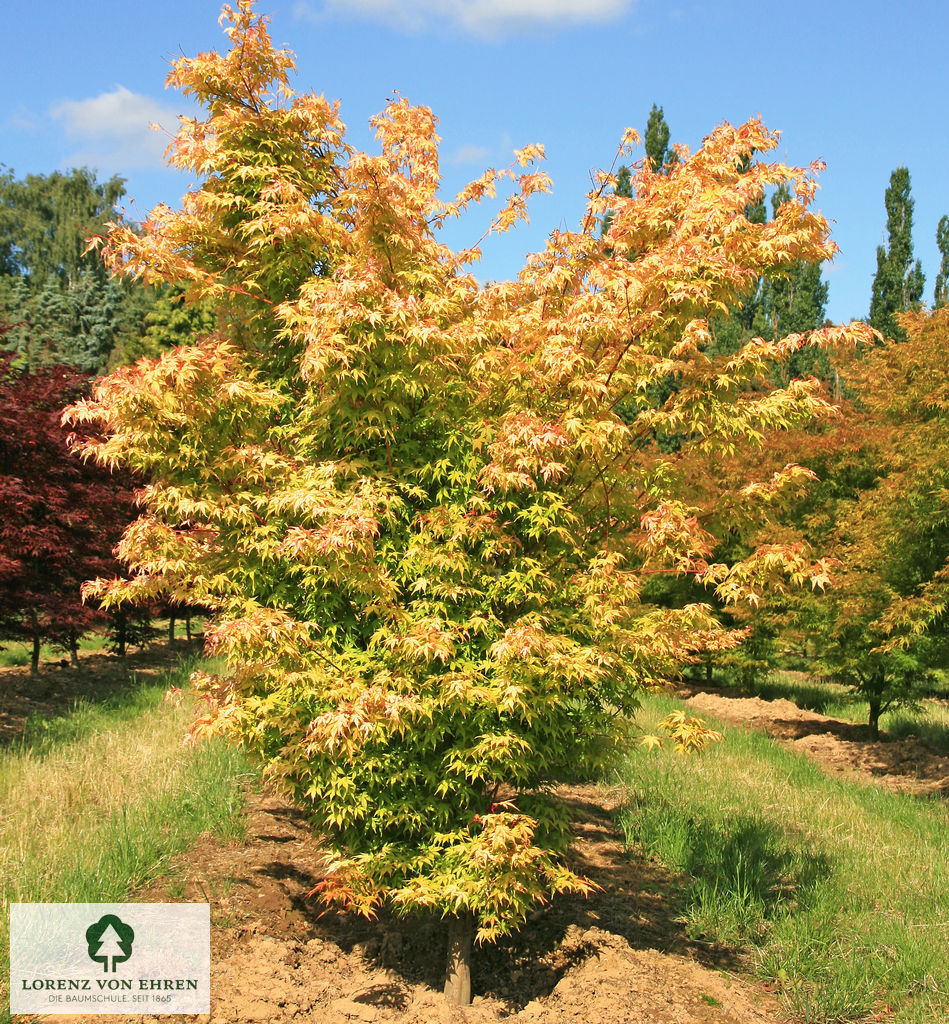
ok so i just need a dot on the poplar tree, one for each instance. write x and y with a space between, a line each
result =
898 283
941 294
656 140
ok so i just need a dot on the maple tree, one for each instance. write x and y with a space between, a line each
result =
409 501
59 517
881 514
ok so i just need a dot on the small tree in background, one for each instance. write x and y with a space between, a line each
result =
656 140
941 291
59 518
881 627
409 501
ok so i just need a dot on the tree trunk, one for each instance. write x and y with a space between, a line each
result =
188 626
458 973
875 695
35 656
120 633
875 718
73 649
171 629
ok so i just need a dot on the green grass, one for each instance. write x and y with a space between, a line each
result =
807 692
837 890
16 654
94 804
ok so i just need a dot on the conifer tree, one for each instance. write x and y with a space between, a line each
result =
898 283
657 140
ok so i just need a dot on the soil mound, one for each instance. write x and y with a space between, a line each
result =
620 956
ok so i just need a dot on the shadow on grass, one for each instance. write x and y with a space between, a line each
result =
55 706
809 695
740 871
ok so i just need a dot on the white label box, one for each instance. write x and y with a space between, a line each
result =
110 958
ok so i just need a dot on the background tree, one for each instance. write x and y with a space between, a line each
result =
898 282
63 307
59 517
422 527
623 189
880 512
656 140
941 293
45 221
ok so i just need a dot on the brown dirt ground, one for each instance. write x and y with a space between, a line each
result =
904 765
621 956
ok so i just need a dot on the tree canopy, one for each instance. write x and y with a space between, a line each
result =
409 499
55 294
59 517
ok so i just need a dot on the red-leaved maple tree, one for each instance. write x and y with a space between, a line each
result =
59 517
421 509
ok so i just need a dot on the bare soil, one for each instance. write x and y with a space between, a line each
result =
620 956
906 765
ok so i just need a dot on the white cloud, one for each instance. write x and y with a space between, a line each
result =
469 153
484 18
112 129
22 120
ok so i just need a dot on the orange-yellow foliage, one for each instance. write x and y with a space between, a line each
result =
423 509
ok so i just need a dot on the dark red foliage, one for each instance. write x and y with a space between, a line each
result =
60 517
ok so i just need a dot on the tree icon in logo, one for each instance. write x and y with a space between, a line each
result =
110 938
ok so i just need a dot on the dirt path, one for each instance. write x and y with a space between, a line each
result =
618 957
903 765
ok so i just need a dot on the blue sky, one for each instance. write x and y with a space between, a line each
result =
861 85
